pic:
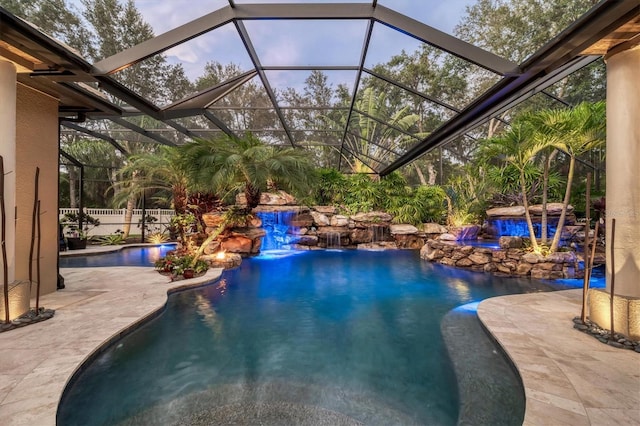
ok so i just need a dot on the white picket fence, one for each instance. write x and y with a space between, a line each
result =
112 220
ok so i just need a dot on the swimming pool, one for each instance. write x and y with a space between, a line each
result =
334 336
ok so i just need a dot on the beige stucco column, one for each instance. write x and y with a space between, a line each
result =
623 169
8 153
623 197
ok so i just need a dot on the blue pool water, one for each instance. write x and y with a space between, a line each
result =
340 333
127 256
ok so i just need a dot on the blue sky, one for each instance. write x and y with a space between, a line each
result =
291 42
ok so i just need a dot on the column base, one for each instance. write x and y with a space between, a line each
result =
626 312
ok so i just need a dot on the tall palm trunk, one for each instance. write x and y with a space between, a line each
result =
252 194
73 182
565 205
423 181
128 216
179 198
131 203
527 215
545 190
549 156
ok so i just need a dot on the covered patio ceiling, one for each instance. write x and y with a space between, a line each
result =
91 93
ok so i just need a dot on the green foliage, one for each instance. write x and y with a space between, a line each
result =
360 193
330 187
72 222
237 216
466 197
175 264
183 224
432 199
111 240
228 165
161 170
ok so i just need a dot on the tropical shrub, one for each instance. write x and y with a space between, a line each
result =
432 200
157 238
466 199
175 264
112 239
330 187
229 165
72 222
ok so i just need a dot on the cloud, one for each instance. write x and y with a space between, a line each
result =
309 42
164 15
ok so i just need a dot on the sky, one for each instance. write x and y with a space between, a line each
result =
293 42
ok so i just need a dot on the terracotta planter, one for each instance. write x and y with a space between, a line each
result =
188 273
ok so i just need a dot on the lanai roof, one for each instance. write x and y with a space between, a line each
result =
90 93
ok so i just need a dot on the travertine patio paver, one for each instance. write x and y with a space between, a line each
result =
569 377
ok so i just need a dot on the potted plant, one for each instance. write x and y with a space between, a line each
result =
180 266
77 234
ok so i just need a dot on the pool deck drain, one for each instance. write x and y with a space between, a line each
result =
569 377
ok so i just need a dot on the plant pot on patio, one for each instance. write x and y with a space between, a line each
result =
76 243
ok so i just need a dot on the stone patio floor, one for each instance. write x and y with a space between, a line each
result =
569 377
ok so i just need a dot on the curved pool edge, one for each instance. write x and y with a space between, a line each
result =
211 276
568 376
96 308
93 250
490 388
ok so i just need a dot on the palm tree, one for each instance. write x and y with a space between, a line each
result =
541 122
161 171
367 137
233 164
518 147
574 131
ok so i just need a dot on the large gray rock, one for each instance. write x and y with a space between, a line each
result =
466 232
447 237
433 228
553 209
320 219
279 198
561 257
325 231
479 258
303 220
510 242
506 211
403 229
306 240
325 209
372 217
339 220
532 257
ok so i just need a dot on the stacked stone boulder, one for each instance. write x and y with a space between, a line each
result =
511 259
321 227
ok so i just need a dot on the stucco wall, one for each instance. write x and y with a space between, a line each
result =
37 146
623 157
